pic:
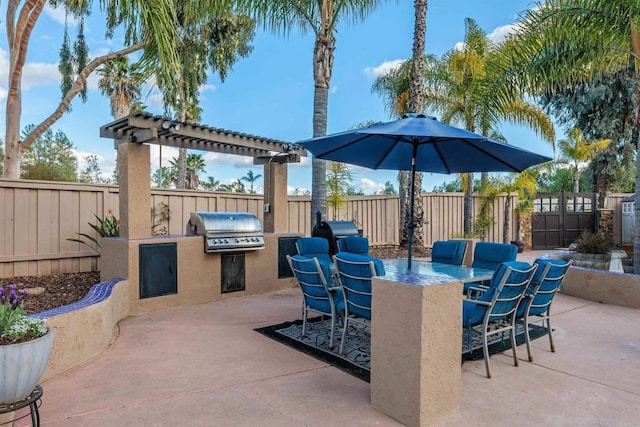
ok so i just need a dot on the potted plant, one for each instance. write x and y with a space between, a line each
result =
25 346
593 250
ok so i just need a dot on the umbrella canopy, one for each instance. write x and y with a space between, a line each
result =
417 142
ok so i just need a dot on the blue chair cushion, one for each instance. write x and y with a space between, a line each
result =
490 255
451 252
377 263
314 247
473 314
317 295
354 245
558 268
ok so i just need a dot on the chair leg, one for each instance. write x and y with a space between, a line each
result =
553 347
333 328
514 344
344 334
304 321
485 349
527 338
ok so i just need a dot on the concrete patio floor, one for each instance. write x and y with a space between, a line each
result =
204 365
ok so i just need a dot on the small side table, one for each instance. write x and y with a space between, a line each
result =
33 401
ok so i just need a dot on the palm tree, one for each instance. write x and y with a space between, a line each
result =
320 17
121 82
209 39
251 179
147 26
576 149
339 177
195 164
568 41
211 184
524 184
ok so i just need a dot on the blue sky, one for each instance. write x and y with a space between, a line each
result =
270 93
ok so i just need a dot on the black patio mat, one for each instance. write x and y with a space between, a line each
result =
357 360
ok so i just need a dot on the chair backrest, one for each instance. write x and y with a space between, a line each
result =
506 288
544 286
355 272
314 247
312 276
490 255
354 245
449 252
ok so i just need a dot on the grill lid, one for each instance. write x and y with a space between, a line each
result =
223 223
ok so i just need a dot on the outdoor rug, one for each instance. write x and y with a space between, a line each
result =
356 359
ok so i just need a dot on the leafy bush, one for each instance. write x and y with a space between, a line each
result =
107 227
590 243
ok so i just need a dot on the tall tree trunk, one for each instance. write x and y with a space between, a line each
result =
416 105
505 227
576 179
14 147
322 69
636 208
182 155
468 205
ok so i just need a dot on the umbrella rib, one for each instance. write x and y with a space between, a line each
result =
492 156
435 147
342 146
384 157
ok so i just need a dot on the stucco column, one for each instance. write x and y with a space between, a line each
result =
275 198
134 174
416 346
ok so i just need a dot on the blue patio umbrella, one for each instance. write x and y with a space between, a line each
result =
417 142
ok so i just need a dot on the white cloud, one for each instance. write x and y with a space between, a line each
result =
369 186
382 69
168 153
207 87
459 46
501 33
333 89
106 163
293 191
58 15
154 101
228 160
34 73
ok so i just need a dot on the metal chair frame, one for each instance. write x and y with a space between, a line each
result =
347 290
545 315
505 319
324 284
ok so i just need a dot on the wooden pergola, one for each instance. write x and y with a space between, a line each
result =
133 133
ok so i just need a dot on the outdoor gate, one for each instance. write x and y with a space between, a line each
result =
560 218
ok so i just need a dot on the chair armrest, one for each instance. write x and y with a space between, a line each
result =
478 289
475 301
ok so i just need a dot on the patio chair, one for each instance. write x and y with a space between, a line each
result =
355 272
489 256
354 244
313 277
539 296
449 252
494 310
314 247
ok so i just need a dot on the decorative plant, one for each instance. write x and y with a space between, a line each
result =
590 243
160 213
107 227
15 326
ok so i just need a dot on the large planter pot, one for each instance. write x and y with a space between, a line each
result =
521 244
21 367
594 261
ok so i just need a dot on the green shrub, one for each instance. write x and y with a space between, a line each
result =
590 243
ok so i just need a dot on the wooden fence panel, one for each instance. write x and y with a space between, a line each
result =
614 201
37 218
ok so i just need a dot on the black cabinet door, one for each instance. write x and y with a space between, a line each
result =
158 270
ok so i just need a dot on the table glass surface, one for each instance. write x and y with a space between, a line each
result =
426 272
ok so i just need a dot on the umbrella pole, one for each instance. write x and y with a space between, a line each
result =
411 225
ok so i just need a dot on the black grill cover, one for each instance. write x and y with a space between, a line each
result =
334 230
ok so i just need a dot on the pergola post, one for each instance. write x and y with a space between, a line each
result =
135 190
275 218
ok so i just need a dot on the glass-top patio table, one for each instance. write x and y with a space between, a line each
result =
426 272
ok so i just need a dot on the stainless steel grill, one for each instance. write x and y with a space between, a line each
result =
227 231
